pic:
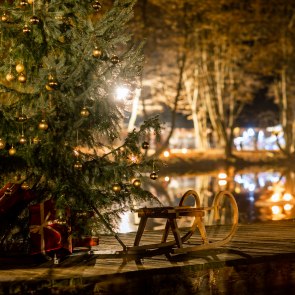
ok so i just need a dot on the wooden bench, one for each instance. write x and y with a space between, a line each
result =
171 214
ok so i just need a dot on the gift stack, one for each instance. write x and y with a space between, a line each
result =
50 230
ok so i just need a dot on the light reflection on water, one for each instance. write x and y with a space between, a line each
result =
261 196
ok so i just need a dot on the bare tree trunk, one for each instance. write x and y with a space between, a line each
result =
165 144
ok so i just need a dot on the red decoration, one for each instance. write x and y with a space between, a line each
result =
47 232
12 197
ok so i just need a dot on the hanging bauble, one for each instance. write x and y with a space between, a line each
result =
115 59
43 125
154 175
23 3
10 77
22 78
96 52
78 165
22 139
20 68
4 17
52 82
34 20
30 1
22 118
145 145
26 29
36 140
84 112
96 5
116 188
48 88
12 151
2 144
25 186
136 183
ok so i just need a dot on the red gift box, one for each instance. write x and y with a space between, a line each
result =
13 196
47 232
85 242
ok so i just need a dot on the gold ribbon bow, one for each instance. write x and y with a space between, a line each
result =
45 223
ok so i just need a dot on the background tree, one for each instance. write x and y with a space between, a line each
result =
61 62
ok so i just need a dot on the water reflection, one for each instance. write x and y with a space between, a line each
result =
261 196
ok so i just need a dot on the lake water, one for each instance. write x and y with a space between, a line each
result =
260 195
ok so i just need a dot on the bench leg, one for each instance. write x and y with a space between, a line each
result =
140 230
166 232
175 231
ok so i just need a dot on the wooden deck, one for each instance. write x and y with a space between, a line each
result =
254 244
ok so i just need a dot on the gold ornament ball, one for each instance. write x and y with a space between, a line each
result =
84 112
23 3
36 140
43 125
48 87
30 1
115 59
25 186
96 52
34 20
22 118
154 176
26 29
78 165
22 139
9 77
96 5
52 83
4 17
12 151
145 145
2 144
116 187
19 68
136 183
22 78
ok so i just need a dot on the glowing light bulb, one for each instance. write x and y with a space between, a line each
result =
287 197
275 197
166 154
122 92
222 175
222 182
167 178
276 210
288 207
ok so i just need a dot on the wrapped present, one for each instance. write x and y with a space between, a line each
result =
49 232
85 242
12 197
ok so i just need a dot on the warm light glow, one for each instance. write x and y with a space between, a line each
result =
184 150
166 154
222 175
251 187
275 197
288 207
167 178
134 159
276 210
125 223
122 92
287 197
222 182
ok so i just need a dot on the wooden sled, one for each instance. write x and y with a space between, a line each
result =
171 214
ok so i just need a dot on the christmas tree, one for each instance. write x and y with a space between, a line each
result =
60 137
